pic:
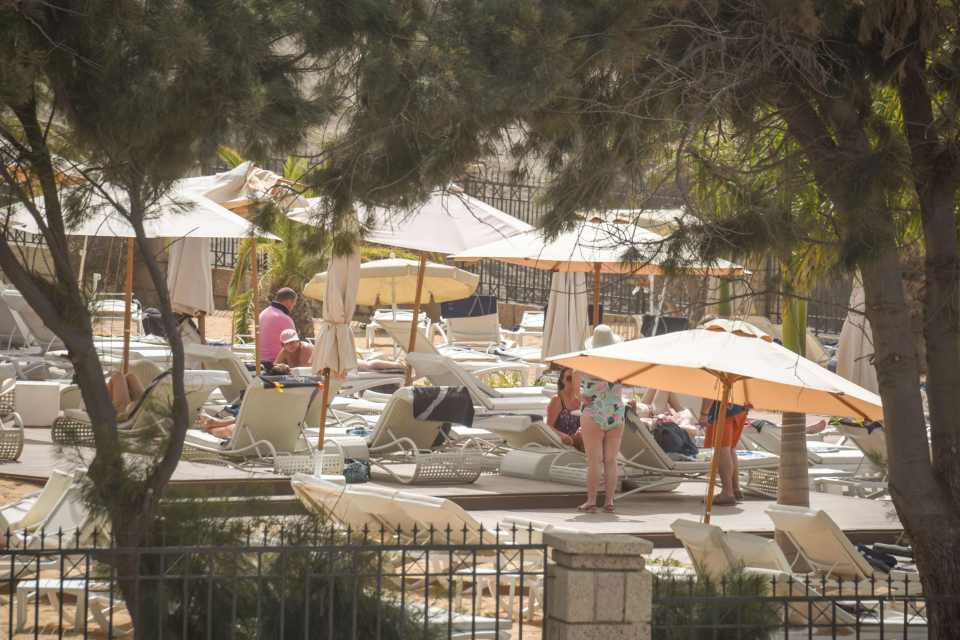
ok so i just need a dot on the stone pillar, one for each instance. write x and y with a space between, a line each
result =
597 588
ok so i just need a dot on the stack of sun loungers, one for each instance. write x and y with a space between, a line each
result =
838 570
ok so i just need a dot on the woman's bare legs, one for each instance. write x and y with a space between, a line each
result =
611 449
593 447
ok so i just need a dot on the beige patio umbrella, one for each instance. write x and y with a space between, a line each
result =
856 342
181 213
592 247
335 353
394 281
734 367
449 221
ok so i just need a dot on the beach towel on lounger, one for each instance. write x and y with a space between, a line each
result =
445 404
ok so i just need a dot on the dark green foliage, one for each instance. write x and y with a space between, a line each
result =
731 608
284 576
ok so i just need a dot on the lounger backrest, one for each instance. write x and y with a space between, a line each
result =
756 551
532 320
38 331
273 416
399 331
440 514
474 330
764 438
821 542
444 372
872 442
397 421
10 330
223 359
640 447
704 543
52 492
367 506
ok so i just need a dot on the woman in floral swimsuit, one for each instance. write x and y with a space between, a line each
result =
601 426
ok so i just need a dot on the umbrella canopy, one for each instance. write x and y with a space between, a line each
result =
856 342
448 222
565 324
394 281
180 213
189 276
764 374
590 247
244 185
334 345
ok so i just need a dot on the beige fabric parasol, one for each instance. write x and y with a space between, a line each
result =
764 374
394 281
190 276
739 368
591 247
854 356
334 345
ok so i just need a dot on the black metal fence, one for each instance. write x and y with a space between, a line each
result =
301 582
758 605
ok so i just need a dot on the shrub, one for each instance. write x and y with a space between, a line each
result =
732 608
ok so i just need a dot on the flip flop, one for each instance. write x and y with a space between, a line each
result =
609 508
724 502
587 508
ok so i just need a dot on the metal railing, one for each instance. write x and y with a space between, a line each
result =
279 582
761 606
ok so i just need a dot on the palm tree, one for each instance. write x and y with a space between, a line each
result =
289 263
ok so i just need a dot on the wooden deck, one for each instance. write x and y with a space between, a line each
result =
490 499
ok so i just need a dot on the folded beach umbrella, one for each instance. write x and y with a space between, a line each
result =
190 276
856 342
393 281
335 353
736 367
565 324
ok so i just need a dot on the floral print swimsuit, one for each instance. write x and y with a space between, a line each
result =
603 402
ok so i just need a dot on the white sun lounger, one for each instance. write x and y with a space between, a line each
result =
828 551
151 412
443 371
845 459
269 426
31 326
649 464
716 553
401 446
11 328
59 519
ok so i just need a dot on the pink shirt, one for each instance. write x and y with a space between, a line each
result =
272 323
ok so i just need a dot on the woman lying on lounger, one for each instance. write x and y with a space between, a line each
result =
125 391
219 427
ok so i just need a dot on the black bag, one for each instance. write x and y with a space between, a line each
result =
673 439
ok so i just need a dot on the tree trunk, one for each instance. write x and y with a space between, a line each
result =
793 487
926 508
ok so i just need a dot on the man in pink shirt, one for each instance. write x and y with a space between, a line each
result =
274 320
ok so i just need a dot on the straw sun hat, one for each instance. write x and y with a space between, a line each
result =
603 336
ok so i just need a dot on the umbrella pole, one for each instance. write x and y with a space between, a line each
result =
128 309
253 305
83 260
325 398
408 378
202 326
596 294
717 439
